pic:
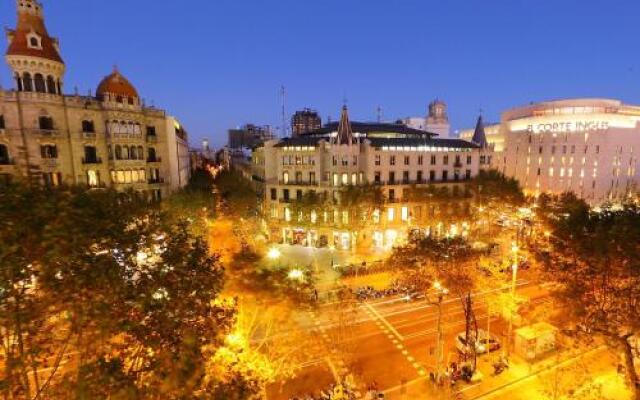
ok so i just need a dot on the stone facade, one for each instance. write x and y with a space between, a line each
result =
107 140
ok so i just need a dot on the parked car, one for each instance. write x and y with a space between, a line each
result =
484 344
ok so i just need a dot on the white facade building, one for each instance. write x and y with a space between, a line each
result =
586 146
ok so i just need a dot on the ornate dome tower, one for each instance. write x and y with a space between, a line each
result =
33 55
438 119
117 89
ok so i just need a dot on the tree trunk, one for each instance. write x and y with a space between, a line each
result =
632 375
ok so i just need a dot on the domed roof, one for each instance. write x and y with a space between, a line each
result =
117 85
30 27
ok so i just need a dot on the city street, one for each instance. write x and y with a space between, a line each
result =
391 342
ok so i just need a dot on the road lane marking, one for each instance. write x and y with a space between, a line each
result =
384 321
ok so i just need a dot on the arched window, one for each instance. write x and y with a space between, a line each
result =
34 42
39 83
59 87
133 153
118 152
4 154
27 82
125 152
19 83
88 127
130 100
152 154
45 123
140 153
51 85
119 99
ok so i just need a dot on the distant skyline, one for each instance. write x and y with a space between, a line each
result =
219 64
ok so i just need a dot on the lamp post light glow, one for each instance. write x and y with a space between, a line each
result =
296 274
273 253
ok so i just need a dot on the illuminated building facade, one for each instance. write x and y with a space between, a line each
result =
392 158
586 146
110 139
303 121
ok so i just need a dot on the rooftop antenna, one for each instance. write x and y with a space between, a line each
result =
379 111
283 93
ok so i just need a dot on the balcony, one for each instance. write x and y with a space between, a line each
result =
155 181
48 133
49 162
92 160
457 164
88 135
154 159
152 138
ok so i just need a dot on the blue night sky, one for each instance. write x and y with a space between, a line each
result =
216 64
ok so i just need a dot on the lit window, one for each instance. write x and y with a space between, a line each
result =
376 216
405 213
92 178
335 180
345 179
391 214
287 214
354 179
285 178
314 216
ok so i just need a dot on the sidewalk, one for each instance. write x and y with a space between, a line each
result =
525 381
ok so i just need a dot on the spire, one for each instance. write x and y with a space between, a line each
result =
479 136
30 38
345 135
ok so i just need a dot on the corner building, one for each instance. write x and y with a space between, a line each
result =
392 157
586 146
107 140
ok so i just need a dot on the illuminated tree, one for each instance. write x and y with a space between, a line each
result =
594 265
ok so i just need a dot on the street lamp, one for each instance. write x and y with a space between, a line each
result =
296 274
273 253
514 275
441 292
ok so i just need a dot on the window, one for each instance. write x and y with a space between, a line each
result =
90 155
52 179
404 214
51 85
2 126
420 160
392 160
391 213
38 80
274 194
392 178
4 154
118 152
34 42
405 177
354 179
432 175
467 174
335 161
376 178
298 177
285 194
312 177
298 195
445 160
151 131
377 161
468 160
49 151
419 177
151 154
345 179
45 123
445 175
285 178
27 82
336 180
433 160
133 153
88 127
407 160
93 178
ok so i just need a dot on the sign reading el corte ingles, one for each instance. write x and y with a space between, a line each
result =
568 126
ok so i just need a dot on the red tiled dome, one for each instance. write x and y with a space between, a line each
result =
116 84
19 44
